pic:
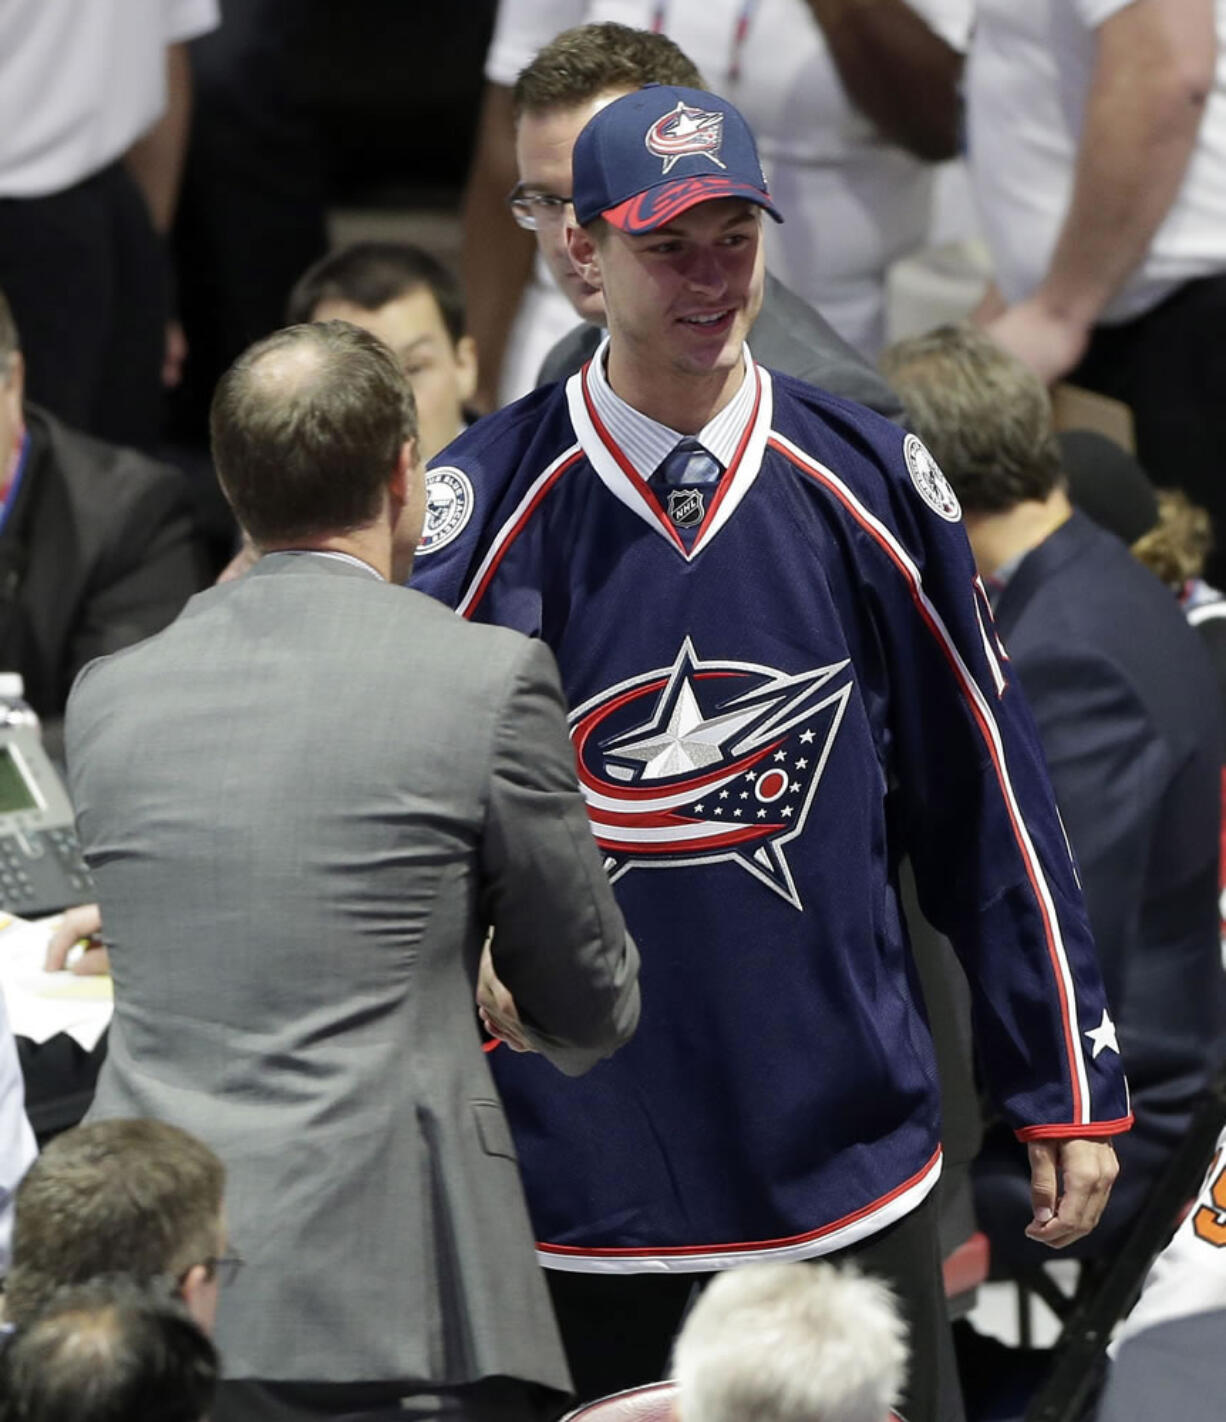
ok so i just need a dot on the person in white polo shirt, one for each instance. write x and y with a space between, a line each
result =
1097 134
851 105
93 123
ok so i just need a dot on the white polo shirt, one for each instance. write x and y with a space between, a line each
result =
1028 78
851 201
80 81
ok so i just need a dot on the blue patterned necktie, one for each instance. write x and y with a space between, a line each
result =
684 484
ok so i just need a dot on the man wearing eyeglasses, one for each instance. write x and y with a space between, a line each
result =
571 79
124 1196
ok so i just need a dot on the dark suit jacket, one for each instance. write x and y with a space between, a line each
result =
789 335
98 551
1127 710
303 802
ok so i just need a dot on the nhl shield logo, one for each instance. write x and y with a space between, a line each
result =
686 133
449 506
685 507
708 762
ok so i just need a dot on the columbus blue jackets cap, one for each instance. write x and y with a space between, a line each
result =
651 155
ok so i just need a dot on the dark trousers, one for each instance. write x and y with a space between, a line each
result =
491 1400
1169 366
618 1329
85 275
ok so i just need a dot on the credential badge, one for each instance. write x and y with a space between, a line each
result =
931 485
449 506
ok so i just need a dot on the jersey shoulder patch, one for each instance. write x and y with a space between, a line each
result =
449 506
930 484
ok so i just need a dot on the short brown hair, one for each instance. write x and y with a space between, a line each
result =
370 274
137 1197
589 59
110 1349
306 427
984 415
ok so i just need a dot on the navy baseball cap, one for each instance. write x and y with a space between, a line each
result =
651 155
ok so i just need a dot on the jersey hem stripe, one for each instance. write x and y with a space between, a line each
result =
685 1259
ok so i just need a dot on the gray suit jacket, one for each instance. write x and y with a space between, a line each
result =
302 803
789 336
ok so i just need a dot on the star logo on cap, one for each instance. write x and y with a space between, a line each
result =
686 132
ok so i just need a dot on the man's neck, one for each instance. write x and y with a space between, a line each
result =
364 545
683 402
998 539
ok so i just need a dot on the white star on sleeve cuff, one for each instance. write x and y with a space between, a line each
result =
1103 1036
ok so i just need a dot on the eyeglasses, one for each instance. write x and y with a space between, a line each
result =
531 209
222 1267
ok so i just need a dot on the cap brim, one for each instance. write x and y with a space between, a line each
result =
657 206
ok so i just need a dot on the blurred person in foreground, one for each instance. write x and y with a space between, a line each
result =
372 787
791 1343
135 1197
110 1350
1126 706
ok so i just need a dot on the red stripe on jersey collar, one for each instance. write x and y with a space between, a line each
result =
644 489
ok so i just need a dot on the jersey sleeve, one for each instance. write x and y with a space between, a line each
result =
482 493
971 795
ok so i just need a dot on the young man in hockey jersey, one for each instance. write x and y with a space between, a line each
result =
784 676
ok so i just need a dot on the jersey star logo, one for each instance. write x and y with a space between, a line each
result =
1103 1037
657 755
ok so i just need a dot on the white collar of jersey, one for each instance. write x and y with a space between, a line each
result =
646 442
625 447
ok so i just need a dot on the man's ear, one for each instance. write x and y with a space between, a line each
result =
15 379
584 255
466 367
405 472
192 1289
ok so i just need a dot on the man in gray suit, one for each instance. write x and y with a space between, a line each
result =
303 803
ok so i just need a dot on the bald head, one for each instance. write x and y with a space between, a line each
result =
307 426
107 1350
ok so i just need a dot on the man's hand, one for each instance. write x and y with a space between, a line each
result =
1070 1181
497 1007
77 925
1050 345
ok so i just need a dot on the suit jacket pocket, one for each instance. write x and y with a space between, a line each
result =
493 1129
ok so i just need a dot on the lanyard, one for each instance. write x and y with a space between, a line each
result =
740 32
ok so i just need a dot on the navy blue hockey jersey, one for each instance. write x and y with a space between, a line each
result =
763 724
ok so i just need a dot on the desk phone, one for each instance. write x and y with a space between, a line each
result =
41 869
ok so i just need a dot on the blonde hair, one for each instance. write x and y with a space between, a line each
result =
797 1342
1175 549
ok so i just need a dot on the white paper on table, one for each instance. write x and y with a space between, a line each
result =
41 1004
